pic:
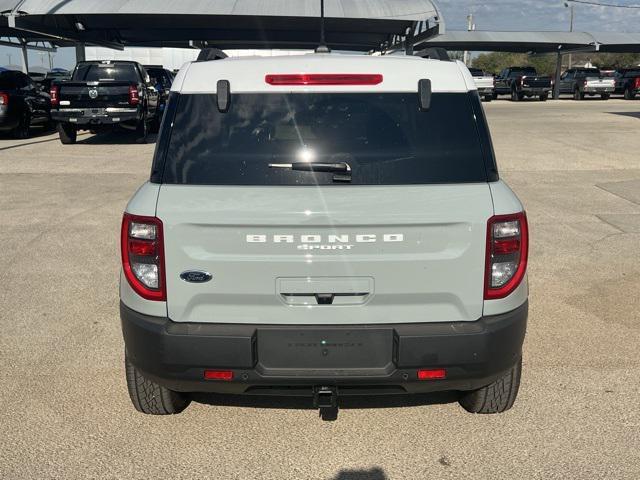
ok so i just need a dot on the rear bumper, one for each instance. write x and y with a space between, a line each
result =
95 116
598 89
531 91
8 119
175 355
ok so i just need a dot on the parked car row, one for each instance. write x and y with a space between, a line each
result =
524 82
98 96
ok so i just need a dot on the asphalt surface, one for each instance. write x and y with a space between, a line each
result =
65 412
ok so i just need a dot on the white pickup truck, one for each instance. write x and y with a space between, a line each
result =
485 83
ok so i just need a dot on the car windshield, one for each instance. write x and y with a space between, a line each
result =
384 138
105 72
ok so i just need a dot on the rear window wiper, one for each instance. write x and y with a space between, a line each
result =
341 168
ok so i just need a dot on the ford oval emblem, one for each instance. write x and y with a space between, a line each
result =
196 276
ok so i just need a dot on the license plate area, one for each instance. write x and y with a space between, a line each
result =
326 352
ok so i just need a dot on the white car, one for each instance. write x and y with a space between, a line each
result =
324 225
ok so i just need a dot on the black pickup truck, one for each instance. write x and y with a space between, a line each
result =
521 82
627 82
104 94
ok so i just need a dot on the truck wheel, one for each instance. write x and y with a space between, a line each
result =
605 96
68 133
578 95
488 98
497 397
515 96
629 94
544 97
23 130
149 397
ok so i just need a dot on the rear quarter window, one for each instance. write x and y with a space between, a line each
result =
384 138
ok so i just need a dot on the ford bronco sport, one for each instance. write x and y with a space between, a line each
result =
324 225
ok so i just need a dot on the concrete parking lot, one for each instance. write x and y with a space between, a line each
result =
65 412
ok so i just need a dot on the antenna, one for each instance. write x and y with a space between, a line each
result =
323 47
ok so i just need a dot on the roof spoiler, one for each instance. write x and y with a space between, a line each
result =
434 53
208 54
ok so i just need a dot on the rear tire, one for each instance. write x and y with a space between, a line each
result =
544 97
629 94
23 130
149 397
515 96
605 96
496 397
68 133
488 98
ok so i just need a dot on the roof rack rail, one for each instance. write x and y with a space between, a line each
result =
434 53
208 54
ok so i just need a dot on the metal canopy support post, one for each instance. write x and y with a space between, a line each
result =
556 84
25 56
80 53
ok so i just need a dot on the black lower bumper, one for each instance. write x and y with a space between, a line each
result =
357 359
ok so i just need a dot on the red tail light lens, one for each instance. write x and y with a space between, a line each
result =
54 93
324 79
143 256
134 96
4 99
223 375
432 374
636 83
507 251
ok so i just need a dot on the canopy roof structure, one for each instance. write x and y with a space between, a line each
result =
350 24
536 42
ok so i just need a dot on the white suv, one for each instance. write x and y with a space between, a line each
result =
324 225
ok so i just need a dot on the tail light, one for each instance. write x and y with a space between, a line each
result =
324 79
142 248
134 95
636 83
507 250
584 82
4 99
54 92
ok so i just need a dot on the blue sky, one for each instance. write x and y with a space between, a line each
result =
488 15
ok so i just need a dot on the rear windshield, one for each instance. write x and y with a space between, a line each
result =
92 72
632 73
384 138
8 80
588 72
522 71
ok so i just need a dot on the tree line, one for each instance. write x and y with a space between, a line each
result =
495 62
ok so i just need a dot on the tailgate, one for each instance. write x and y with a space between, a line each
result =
94 94
536 82
326 255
